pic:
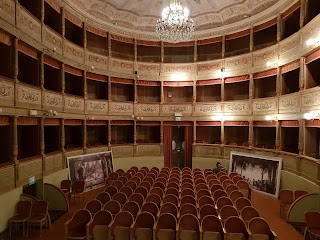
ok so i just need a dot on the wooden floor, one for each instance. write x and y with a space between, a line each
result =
268 208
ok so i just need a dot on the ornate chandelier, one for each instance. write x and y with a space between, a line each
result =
174 26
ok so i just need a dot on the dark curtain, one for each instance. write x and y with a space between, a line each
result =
167 145
188 136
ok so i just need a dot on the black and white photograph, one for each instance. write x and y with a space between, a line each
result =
261 172
92 168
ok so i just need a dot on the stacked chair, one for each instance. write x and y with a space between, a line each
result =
169 203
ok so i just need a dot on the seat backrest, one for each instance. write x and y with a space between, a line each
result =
65 184
127 191
312 219
113 207
120 171
93 206
227 211
236 179
226 183
171 198
187 192
212 223
204 200
118 184
215 187
127 175
23 208
242 184
145 184
136 179
120 197
111 190
103 197
157 191
142 190
232 174
201 186
186 185
188 209
189 222
123 179
203 192
259 225
223 201
102 217
149 179
122 219
144 220
138 198
207 210
231 188
299 193
132 184
199 181
173 185
151 208
112 176
78 186
223 178
131 207
219 193
212 182
169 208
166 221
242 202
39 208
188 199
79 220
134 168
234 195
236 225
154 198
249 212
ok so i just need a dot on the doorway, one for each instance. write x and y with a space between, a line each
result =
177 145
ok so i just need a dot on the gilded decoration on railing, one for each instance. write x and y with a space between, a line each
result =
97 106
74 103
6 90
311 99
51 99
265 105
208 108
29 95
236 107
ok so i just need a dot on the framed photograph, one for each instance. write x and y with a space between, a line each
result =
261 172
92 168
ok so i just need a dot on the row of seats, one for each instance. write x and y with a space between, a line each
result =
287 197
30 213
163 195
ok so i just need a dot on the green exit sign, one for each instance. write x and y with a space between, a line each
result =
178 118
32 180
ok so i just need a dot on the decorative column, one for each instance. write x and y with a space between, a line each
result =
194 94
222 90
195 54
109 48
302 13
278 82
135 86
302 74
222 132
84 132
278 135
109 89
279 28
223 46
63 22
15 139
135 147
251 44
63 141
109 134
250 139
161 92
135 50
42 12
161 137
162 52
85 36
42 143
42 71
301 136
15 60
194 131
251 87
85 88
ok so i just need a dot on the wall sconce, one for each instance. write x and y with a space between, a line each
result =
89 68
312 115
49 51
313 42
89 118
50 113
139 118
272 64
272 118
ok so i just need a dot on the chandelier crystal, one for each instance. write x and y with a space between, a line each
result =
175 25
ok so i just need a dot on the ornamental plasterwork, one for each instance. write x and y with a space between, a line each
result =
204 109
265 105
51 39
289 103
177 108
120 108
235 107
147 109
214 17
52 99
74 103
310 99
7 10
6 90
99 107
28 95
27 23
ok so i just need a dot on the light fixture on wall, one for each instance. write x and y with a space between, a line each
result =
50 113
49 51
271 118
89 68
312 115
313 42
174 25
272 64
89 118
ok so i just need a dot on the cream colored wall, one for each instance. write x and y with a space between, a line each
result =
8 203
295 182
126 162
57 177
